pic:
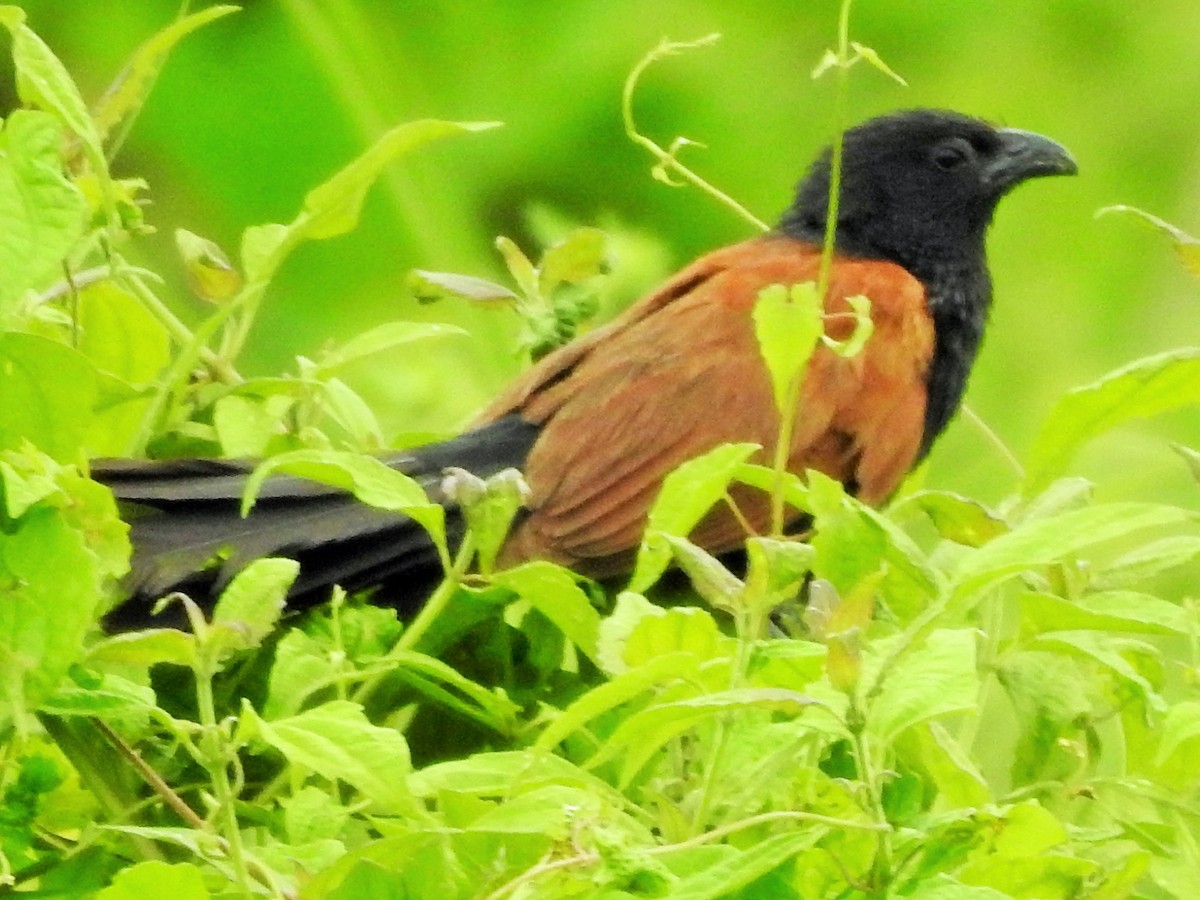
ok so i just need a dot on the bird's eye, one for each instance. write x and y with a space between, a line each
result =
952 154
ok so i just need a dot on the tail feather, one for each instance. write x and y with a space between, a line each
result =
188 532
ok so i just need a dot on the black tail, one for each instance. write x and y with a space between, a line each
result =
188 533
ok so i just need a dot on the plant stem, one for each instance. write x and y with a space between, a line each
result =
668 160
434 606
214 760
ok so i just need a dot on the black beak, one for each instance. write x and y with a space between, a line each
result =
1023 155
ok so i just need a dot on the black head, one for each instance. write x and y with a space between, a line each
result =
920 186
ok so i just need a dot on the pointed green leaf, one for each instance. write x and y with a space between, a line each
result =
727 877
687 494
787 323
1059 537
47 394
43 81
1147 387
128 93
575 259
249 608
179 881
370 480
337 741
333 207
1106 650
934 679
381 339
556 594
42 215
1181 724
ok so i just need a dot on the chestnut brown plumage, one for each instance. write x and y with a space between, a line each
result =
597 425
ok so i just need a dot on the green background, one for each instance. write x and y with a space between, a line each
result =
257 108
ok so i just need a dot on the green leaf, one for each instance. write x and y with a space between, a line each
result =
179 881
1186 246
336 741
1180 725
43 81
644 733
934 679
333 207
119 335
519 266
492 708
381 339
956 518
264 247
210 274
49 596
687 494
1109 653
47 391
947 766
244 426
715 584
1147 561
1050 693
143 649
127 95
112 700
556 594
503 774
732 873
1147 387
303 666
431 287
776 570
249 608
1120 611
681 628
352 413
42 215
370 480
1058 537
575 259
618 690
787 324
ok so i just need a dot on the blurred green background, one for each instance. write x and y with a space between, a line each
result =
256 109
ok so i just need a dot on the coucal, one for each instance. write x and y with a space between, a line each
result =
596 425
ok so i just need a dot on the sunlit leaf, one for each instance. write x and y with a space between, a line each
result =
210 274
686 495
381 339
249 608
787 324
338 742
47 395
128 93
370 480
42 215
154 878
934 679
1147 387
555 593
575 259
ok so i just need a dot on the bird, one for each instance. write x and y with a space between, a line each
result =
596 425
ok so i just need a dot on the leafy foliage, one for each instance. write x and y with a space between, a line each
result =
942 699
